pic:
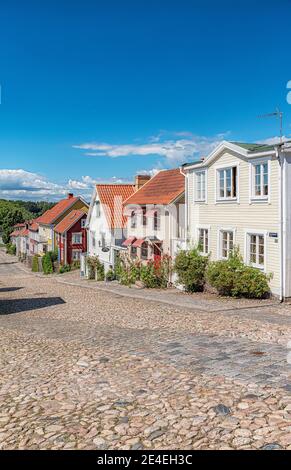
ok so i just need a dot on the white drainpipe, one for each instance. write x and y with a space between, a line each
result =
186 204
281 221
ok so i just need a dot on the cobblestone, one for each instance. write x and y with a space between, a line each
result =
83 369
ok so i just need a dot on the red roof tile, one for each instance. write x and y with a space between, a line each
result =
163 188
70 220
24 232
52 214
22 224
33 226
15 233
112 196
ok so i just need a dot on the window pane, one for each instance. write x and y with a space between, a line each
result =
234 182
265 179
221 183
228 182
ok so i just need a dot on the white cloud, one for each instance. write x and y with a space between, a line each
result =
182 147
22 184
272 140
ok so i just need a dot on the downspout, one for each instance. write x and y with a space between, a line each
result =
281 221
186 204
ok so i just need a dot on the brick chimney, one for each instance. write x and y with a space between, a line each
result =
70 195
140 180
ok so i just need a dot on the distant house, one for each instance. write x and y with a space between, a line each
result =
18 238
155 217
52 217
106 224
34 240
71 237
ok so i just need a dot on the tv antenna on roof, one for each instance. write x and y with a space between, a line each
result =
279 114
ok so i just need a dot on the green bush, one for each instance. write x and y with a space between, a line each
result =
96 268
110 276
35 267
75 264
54 254
190 267
11 249
100 272
156 273
64 268
233 278
47 264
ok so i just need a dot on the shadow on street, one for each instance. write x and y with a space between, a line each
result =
9 289
10 306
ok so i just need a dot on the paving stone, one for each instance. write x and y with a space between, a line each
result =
107 372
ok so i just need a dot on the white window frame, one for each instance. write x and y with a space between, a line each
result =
204 227
199 197
76 251
220 238
157 218
224 168
74 234
261 233
133 219
252 174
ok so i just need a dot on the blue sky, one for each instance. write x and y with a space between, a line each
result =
93 90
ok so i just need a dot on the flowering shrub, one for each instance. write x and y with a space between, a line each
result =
156 273
96 268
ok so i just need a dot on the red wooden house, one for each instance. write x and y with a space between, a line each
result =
71 237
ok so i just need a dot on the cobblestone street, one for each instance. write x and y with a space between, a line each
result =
83 368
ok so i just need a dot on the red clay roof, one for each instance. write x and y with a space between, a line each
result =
163 188
112 196
71 219
15 233
24 232
33 226
52 214
22 224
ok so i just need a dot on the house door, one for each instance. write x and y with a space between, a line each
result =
157 251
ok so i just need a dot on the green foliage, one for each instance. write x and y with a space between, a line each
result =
96 268
64 268
110 276
14 212
47 264
35 267
100 272
75 264
11 249
128 271
54 254
233 278
155 274
190 267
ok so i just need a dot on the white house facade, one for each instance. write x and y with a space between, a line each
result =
106 223
156 224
